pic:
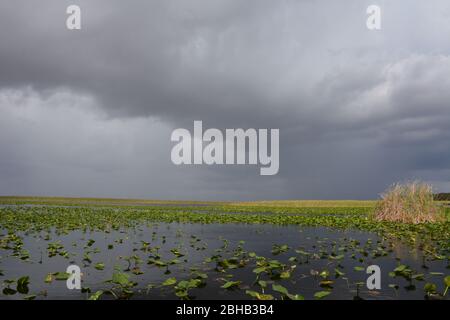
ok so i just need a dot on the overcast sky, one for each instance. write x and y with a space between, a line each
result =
90 112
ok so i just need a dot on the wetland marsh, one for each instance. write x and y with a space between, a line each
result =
267 250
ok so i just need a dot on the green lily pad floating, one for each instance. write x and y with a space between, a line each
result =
419 276
184 284
22 285
277 249
61 275
447 285
280 289
176 252
169 282
284 292
8 291
87 258
262 284
339 273
137 271
401 268
96 295
338 257
199 275
321 294
296 297
259 270
100 266
121 278
358 268
183 287
259 296
447 281
49 278
430 288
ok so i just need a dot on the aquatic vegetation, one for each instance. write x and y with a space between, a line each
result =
183 287
99 266
61 275
96 295
259 296
285 294
21 286
185 252
321 294
169 282
276 249
122 285
447 284
409 203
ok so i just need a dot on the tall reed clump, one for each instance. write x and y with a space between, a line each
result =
411 202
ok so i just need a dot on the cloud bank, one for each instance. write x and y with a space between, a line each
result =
90 112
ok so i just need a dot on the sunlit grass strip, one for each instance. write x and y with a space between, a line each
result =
309 203
409 203
142 202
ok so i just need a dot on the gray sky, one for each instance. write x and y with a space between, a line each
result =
90 112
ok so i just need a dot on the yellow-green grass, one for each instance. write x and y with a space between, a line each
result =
310 203
121 201
276 205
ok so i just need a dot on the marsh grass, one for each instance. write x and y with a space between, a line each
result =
411 202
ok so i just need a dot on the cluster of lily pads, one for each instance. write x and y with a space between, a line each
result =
327 267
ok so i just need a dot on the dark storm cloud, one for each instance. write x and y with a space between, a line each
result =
357 109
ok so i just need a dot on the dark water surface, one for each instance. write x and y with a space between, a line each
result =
198 242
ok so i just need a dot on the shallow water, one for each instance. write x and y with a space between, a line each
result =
199 241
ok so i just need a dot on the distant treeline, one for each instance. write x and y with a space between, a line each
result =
442 197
